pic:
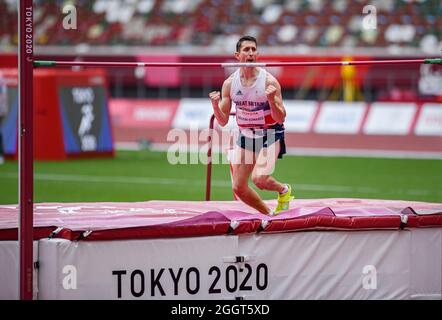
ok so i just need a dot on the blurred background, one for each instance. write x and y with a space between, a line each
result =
382 124
206 30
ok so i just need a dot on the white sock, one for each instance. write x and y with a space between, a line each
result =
286 189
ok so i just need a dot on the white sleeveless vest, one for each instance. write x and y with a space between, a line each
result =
251 104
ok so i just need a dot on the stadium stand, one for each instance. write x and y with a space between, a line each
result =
316 23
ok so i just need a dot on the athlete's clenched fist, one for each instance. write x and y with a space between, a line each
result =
270 91
215 96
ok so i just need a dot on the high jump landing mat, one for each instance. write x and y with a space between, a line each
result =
319 249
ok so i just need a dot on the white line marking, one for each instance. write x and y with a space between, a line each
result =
190 182
320 152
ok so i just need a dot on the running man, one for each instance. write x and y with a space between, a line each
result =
260 115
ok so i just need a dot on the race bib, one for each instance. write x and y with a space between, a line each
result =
248 118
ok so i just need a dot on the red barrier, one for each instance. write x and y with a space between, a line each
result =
71 117
142 119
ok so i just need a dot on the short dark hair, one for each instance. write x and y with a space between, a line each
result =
245 38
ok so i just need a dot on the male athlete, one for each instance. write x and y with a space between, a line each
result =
260 115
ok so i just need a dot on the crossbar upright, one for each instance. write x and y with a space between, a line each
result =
26 160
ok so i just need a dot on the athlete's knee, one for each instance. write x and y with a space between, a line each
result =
260 181
239 189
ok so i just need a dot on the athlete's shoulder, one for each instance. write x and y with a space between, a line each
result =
270 77
227 85
231 77
271 80
229 80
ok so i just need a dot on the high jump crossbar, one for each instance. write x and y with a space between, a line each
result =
25 148
56 63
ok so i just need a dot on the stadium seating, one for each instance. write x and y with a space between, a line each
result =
317 23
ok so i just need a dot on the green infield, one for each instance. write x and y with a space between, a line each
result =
147 175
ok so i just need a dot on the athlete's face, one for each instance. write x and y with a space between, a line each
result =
248 52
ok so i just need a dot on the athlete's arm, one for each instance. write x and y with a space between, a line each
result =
274 96
221 108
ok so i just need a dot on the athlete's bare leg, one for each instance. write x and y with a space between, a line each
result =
242 169
265 164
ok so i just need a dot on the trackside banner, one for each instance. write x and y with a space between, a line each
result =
401 127
376 264
185 268
9 270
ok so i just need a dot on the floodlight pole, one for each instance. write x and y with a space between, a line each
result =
25 118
